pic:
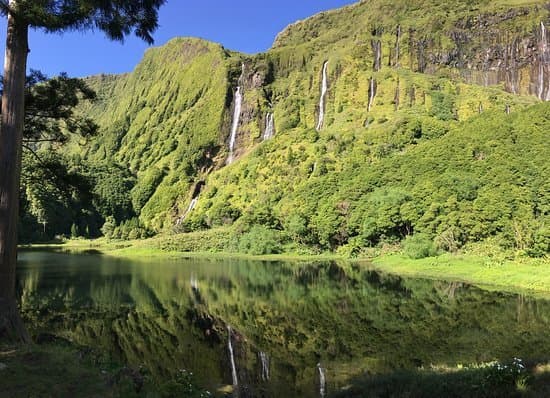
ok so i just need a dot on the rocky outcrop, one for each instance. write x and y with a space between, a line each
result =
487 54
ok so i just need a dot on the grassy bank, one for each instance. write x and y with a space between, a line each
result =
488 267
60 370
517 275
492 380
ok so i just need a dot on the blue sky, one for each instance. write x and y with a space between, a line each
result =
244 25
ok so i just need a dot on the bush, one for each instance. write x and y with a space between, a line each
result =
419 246
214 240
260 240
352 249
296 228
541 243
109 227
449 240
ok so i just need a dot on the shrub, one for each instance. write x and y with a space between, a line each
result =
260 240
511 373
296 228
109 227
449 240
419 246
541 243
352 249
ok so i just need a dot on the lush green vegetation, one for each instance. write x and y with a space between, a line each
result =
58 369
430 157
498 380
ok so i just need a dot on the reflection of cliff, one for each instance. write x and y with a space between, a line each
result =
174 316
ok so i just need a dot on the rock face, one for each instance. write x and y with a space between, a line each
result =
509 46
488 56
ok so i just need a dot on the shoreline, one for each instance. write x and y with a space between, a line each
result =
519 275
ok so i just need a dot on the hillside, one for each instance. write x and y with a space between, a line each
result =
361 126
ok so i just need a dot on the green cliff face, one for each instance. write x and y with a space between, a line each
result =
431 124
163 121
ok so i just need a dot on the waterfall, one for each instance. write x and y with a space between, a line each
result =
322 381
377 49
264 360
324 88
544 65
235 123
542 53
512 77
232 357
372 93
269 126
397 47
191 207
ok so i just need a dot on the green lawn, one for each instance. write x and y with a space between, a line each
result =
516 275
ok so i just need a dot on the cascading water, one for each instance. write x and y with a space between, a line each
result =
542 53
377 49
191 207
544 65
324 88
269 126
322 381
372 93
397 45
235 123
264 361
232 357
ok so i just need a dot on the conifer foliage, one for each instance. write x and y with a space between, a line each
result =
117 18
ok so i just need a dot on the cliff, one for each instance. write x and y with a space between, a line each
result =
421 104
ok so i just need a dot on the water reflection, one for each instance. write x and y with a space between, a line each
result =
272 329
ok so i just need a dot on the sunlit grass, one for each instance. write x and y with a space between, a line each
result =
520 274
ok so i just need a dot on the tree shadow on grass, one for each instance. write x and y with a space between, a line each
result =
496 380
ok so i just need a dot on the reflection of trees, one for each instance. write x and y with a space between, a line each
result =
300 314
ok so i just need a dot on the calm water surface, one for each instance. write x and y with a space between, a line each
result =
276 329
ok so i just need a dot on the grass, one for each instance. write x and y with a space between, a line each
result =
50 371
489 270
517 275
57 369
514 379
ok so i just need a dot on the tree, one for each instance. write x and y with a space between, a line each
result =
117 18
51 187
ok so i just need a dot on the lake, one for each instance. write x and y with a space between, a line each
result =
272 329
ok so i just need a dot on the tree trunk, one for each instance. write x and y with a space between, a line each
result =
11 138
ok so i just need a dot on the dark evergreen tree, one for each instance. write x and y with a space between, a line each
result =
117 18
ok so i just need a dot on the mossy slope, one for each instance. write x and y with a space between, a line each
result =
430 126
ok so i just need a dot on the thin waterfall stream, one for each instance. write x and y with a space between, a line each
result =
269 126
324 89
234 377
322 381
236 117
